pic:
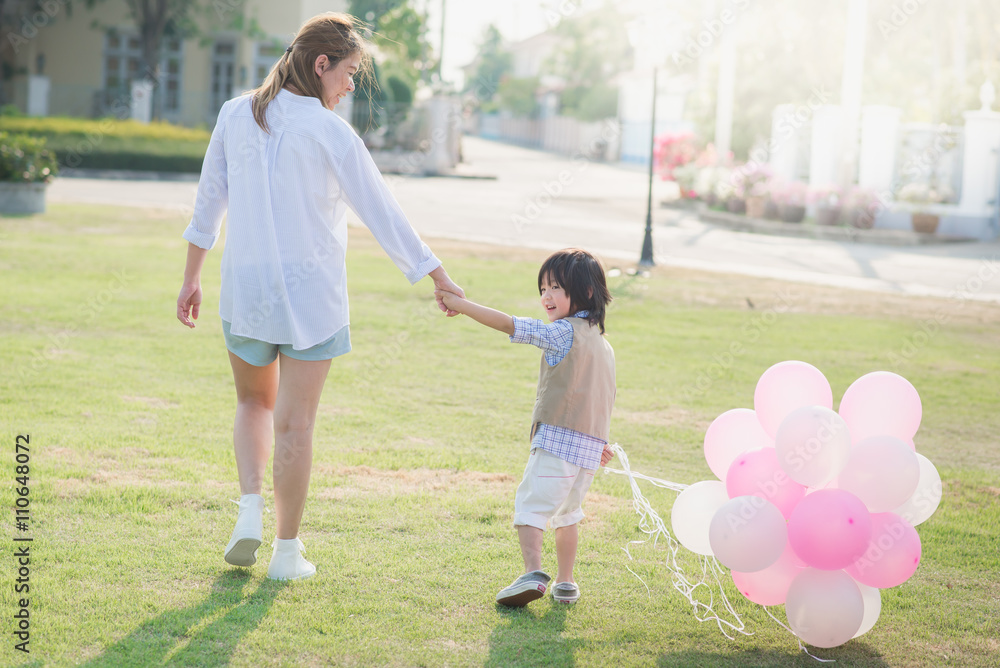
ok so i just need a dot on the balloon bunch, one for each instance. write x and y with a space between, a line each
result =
814 509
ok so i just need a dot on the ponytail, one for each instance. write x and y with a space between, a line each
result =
337 36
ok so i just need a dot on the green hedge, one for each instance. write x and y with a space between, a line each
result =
109 143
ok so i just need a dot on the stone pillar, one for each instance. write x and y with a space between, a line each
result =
879 138
784 146
827 146
440 156
38 95
980 162
142 100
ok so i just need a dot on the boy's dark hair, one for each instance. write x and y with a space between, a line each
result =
581 275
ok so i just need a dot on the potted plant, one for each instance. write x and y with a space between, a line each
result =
726 192
862 205
26 169
791 199
920 195
686 177
754 183
671 154
828 202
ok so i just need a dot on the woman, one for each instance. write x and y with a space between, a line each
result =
287 169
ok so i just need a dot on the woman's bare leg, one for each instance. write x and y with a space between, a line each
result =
253 430
299 388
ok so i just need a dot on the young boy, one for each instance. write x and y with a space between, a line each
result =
571 421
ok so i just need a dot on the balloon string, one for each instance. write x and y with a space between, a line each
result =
653 526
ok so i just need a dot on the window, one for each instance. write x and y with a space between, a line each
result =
223 67
123 64
265 56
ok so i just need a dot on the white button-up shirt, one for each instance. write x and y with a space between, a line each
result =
284 275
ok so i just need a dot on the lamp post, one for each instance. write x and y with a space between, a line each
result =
646 258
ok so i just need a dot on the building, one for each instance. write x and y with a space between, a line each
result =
84 62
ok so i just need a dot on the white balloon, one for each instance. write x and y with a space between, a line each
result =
748 534
813 444
925 499
824 608
872 598
882 471
693 511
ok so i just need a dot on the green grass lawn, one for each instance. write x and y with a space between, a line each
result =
420 442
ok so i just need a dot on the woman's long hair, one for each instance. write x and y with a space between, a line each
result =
337 36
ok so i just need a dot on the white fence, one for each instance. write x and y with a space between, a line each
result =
599 140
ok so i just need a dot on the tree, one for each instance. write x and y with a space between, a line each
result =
493 63
403 60
399 33
157 20
19 22
594 47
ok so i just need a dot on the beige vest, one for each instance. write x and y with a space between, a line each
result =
578 393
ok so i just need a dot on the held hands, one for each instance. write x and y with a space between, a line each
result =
189 303
606 455
450 301
444 285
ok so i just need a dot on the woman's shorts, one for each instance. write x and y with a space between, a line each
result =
551 492
261 353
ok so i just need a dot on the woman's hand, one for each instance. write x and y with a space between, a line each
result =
189 303
443 283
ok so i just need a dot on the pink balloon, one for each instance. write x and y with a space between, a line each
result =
730 434
770 586
785 387
830 529
881 403
758 472
892 555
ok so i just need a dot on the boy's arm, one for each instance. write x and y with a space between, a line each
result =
484 315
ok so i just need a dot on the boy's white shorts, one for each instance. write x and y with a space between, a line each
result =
551 492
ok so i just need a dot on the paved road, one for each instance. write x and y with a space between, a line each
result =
544 201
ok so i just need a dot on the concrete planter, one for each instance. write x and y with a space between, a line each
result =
22 198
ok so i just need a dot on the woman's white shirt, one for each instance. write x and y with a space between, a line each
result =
284 274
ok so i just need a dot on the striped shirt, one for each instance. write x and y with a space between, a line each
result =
284 275
555 340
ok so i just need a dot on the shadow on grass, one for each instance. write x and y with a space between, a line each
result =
204 634
852 654
525 638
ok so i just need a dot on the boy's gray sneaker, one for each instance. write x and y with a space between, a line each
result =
524 590
565 592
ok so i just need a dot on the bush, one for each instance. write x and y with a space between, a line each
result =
25 159
104 127
110 143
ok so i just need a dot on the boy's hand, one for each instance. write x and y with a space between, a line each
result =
443 282
450 300
606 455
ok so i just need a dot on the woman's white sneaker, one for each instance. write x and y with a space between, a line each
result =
246 538
287 562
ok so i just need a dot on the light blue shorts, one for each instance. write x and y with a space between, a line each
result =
261 353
